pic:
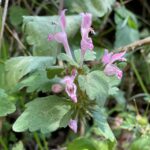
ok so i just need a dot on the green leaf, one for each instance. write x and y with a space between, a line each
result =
37 30
98 8
127 27
18 146
101 122
141 143
65 57
82 144
6 105
2 75
66 118
17 67
95 85
89 55
119 96
42 114
16 13
37 81
54 71
113 83
125 36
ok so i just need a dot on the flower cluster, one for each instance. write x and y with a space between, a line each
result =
70 86
109 59
86 44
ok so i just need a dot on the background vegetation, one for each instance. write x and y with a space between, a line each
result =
117 24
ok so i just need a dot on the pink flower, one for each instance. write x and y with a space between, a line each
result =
70 86
61 37
73 125
86 41
108 59
111 70
57 88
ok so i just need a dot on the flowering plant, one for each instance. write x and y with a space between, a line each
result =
73 91
78 80
76 83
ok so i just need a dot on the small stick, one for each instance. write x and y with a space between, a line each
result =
135 44
3 21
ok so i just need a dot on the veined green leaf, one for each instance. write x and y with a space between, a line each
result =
37 81
6 105
95 85
18 67
98 8
101 122
65 57
89 55
42 114
37 30
127 27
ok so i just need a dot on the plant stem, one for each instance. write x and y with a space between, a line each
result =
141 83
139 77
82 128
45 142
38 140
3 143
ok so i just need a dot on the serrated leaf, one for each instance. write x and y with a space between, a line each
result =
120 98
65 57
98 8
42 114
101 122
37 81
18 67
113 83
95 85
89 55
38 28
6 106
66 118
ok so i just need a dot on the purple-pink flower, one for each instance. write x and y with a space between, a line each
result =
86 41
109 59
73 125
70 86
57 88
61 37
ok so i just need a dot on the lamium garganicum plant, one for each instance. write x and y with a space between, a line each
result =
75 90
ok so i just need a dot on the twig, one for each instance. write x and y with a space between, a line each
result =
131 46
3 21
15 35
27 6
135 44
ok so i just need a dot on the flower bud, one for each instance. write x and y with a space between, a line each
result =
57 88
73 125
